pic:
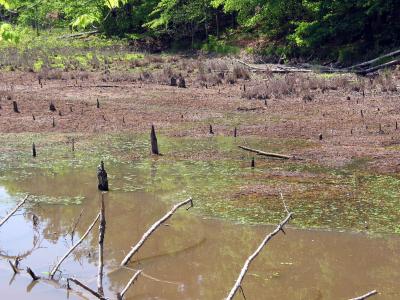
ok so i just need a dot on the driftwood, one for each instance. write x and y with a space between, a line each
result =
84 286
147 234
275 155
13 211
120 295
369 294
254 255
73 247
102 229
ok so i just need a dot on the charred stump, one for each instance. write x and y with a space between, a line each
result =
173 81
52 107
102 177
15 107
33 150
211 130
154 144
181 82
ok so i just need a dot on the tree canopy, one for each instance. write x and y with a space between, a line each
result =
337 30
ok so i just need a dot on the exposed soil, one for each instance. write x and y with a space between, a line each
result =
131 103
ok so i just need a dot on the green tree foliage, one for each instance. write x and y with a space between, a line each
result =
344 30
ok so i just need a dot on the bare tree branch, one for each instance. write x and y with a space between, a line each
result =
73 247
13 211
367 295
147 234
120 295
245 268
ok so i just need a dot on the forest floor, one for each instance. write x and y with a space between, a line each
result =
333 124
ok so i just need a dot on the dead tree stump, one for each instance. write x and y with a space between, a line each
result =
253 163
211 130
52 107
98 104
33 150
173 81
102 177
154 144
15 107
181 82
235 132
54 122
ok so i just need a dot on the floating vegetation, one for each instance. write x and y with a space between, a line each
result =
215 173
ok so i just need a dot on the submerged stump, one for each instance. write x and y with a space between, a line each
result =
102 177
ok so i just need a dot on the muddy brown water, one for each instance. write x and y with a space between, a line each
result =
191 257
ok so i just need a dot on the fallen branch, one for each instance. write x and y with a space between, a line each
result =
147 234
277 69
370 62
382 66
369 294
120 295
102 229
250 108
76 225
266 153
84 286
74 35
254 255
13 211
73 247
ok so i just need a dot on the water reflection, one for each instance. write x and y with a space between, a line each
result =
188 258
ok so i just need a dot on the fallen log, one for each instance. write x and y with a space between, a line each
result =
120 295
367 295
382 66
13 211
84 286
275 155
370 62
147 234
277 69
79 34
245 268
73 247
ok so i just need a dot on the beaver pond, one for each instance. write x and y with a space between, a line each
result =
198 253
